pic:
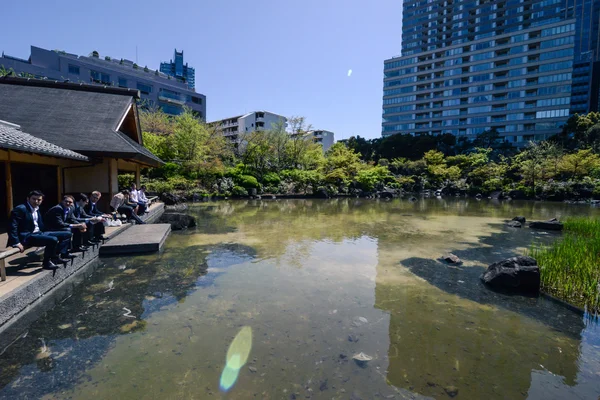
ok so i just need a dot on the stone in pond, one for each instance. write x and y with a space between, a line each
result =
550 225
451 391
361 359
520 219
515 224
520 274
452 259
178 221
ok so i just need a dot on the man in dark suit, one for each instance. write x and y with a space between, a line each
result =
94 224
60 218
92 207
26 228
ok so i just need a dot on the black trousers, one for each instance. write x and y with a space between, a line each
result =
128 211
95 231
54 243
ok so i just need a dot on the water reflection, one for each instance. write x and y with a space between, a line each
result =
317 281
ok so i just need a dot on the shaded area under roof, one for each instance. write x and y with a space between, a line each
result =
82 118
13 138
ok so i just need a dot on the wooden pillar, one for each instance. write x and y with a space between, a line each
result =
8 179
110 180
137 175
59 182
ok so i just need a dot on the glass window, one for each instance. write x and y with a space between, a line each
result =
100 77
145 89
73 69
122 82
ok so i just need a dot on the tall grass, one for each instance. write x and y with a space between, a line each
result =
570 267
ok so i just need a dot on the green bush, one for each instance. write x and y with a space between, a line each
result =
125 180
247 181
181 183
159 186
239 191
271 179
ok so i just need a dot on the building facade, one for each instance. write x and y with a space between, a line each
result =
235 127
324 138
180 71
470 66
157 89
584 96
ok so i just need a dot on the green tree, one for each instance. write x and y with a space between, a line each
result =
580 164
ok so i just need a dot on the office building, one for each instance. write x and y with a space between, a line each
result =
178 70
157 89
468 66
233 128
585 92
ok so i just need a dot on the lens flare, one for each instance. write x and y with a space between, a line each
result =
237 355
349 72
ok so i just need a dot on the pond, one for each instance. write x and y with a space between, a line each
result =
316 282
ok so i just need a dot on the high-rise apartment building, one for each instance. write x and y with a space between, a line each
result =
234 128
178 70
468 66
586 67
157 90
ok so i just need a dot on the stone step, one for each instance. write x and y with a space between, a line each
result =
147 238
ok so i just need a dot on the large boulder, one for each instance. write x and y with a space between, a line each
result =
386 195
550 225
519 274
522 220
171 199
178 221
515 224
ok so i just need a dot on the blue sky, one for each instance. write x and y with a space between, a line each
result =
288 57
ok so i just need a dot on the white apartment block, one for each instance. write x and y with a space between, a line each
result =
233 127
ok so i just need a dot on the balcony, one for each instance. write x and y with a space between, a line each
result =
173 98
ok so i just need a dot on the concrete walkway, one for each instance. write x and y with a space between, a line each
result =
138 239
26 282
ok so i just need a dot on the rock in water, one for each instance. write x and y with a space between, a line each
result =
514 224
178 221
520 219
361 359
451 391
452 259
520 274
550 225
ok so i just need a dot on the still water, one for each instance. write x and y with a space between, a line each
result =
316 281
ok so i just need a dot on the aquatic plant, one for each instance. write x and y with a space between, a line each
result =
570 267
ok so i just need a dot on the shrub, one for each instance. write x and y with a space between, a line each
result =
271 179
159 186
180 183
125 180
247 181
239 191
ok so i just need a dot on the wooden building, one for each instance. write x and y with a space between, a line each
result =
96 128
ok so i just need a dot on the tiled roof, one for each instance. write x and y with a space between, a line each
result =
13 138
70 115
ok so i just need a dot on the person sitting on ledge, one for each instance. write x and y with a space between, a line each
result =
26 228
94 224
92 207
121 205
135 199
60 218
142 197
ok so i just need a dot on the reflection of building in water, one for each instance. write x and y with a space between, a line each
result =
443 333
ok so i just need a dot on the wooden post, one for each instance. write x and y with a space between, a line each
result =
8 179
59 182
110 190
137 175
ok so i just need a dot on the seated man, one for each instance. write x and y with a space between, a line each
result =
95 227
120 203
26 228
92 207
142 197
60 218
134 198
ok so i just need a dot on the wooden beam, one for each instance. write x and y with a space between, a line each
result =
8 179
137 175
110 190
59 182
